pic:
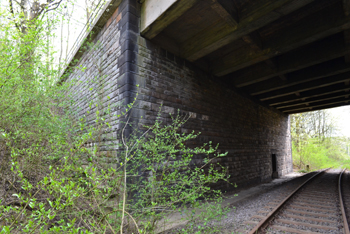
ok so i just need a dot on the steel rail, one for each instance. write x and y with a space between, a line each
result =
263 222
342 207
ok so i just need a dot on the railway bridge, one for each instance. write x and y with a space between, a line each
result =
237 67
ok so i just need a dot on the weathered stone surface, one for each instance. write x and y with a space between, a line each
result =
249 132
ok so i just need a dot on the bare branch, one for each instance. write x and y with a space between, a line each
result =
55 6
13 13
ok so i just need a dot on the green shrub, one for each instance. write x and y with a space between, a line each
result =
54 179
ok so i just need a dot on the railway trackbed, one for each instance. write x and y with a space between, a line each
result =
316 206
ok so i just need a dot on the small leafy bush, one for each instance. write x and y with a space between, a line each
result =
155 178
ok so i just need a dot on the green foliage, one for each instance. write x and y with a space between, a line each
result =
163 180
166 174
202 217
314 143
317 155
54 179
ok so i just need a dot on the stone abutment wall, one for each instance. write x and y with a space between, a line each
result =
249 132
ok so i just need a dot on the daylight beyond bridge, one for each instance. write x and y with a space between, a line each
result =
290 55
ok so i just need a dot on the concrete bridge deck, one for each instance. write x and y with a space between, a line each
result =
291 55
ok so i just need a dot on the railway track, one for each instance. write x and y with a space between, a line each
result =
316 206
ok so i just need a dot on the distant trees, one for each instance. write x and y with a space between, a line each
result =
315 140
317 125
26 12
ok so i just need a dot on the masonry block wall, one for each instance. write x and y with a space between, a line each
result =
249 132
100 77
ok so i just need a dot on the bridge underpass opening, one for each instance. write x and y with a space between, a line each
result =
291 56
237 68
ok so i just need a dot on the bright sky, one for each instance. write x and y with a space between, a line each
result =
342 116
68 32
